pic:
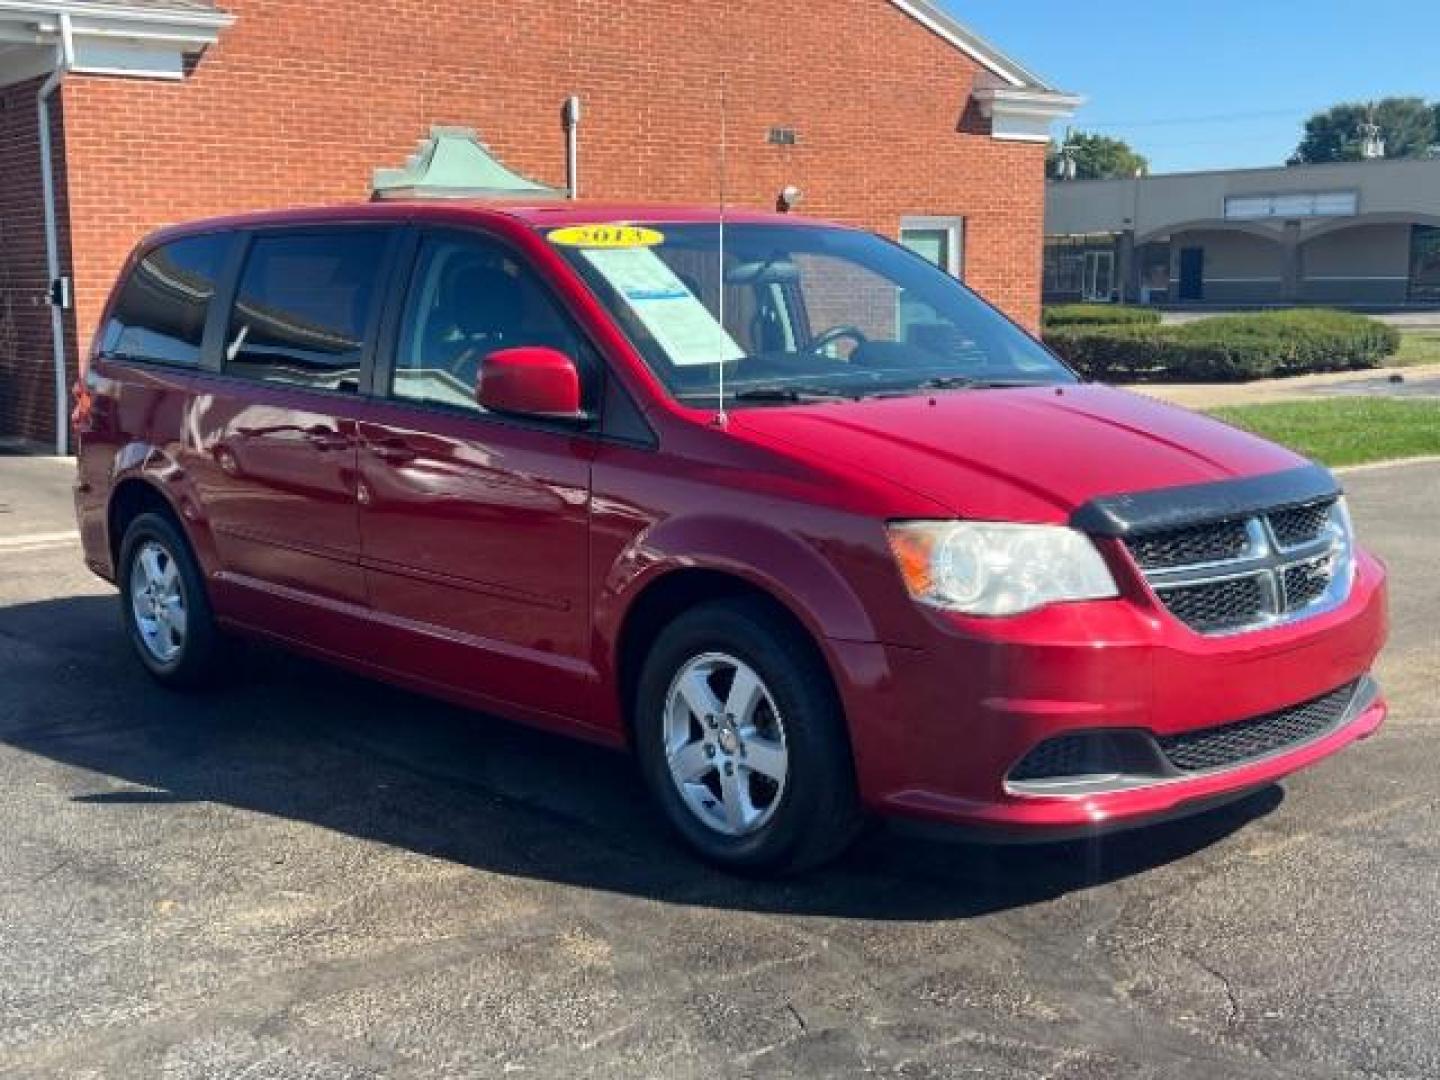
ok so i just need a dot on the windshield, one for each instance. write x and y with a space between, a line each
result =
809 312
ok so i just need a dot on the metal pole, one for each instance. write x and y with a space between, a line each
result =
572 145
66 60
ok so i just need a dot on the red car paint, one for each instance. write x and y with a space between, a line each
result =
497 565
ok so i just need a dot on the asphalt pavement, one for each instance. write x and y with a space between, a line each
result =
306 875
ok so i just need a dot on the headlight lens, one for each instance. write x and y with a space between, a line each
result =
982 568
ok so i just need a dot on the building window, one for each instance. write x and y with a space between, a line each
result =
939 240
1305 204
1078 267
1425 263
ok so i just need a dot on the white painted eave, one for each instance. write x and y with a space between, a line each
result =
1024 114
37 22
107 39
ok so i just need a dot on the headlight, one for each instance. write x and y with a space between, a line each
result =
997 569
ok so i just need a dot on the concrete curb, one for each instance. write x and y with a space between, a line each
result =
1273 391
1391 463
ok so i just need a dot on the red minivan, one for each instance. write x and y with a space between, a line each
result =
776 504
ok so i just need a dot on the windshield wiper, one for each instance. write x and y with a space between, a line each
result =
967 382
950 382
789 395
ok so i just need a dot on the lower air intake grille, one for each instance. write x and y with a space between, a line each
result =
1085 753
1246 740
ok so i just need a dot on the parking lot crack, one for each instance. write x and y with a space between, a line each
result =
1234 1014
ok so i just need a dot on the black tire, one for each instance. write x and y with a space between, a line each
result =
196 663
817 812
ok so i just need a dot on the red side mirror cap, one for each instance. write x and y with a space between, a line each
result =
530 381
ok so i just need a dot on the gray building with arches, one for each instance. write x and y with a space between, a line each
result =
1361 234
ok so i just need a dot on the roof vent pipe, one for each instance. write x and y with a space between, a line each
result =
572 145
57 293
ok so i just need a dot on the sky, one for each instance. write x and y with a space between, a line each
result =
1216 84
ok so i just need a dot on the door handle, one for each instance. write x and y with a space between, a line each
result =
396 451
326 439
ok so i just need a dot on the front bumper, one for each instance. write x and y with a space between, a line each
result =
936 731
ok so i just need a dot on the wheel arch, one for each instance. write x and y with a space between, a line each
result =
132 496
698 562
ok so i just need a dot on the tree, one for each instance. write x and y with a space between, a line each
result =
1097 157
1407 125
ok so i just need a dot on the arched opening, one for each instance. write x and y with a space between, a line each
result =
1214 263
1374 260
1361 263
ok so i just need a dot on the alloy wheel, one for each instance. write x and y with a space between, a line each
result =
725 744
157 602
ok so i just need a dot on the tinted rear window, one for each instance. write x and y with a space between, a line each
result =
161 310
303 306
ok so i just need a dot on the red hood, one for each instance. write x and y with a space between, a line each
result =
1020 454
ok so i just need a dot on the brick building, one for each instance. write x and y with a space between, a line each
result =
885 113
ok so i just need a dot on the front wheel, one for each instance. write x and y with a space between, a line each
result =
742 741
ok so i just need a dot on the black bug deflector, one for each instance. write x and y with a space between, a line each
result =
1177 507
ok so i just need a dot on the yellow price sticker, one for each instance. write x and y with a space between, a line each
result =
606 236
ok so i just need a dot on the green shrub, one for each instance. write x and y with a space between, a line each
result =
1099 315
1228 348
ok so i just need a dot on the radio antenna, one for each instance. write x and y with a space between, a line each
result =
720 417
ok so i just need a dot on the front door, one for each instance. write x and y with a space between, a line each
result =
275 429
1192 274
475 528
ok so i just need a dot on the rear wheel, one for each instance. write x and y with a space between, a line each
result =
164 605
742 742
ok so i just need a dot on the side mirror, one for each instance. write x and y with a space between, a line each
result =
530 381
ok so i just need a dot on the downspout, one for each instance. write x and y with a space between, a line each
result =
572 145
52 230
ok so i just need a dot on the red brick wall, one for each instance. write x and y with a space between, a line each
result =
299 106
27 386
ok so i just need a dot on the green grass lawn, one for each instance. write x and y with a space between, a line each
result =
1417 347
1345 431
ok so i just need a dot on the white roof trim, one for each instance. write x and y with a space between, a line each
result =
1024 115
971 44
149 43
183 26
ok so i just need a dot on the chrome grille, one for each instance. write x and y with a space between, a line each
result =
1232 575
1238 743
1217 606
1300 524
1306 583
1181 547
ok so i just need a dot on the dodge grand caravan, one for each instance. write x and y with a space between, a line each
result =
776 504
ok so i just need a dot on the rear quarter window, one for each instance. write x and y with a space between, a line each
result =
160 313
